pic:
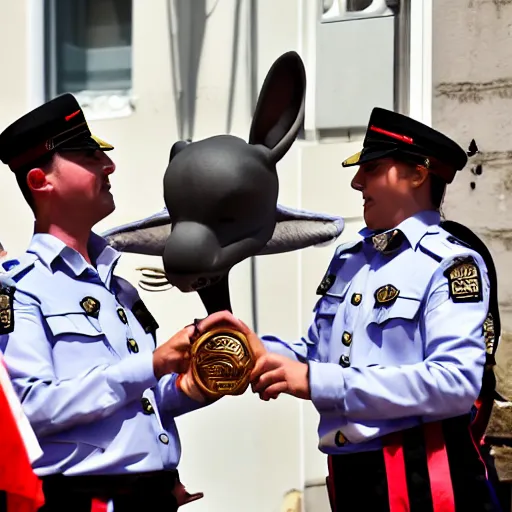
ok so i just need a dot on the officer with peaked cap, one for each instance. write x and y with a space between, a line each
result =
100 397
394 357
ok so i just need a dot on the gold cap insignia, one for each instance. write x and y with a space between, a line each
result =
91 306
352 160
464 281
386 294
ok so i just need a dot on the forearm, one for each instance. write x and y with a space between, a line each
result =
172 400
53 406
298 350
429 388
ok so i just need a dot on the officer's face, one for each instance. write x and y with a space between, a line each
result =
81 183
387 188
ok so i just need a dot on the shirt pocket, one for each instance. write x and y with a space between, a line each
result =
395 329
72 324
326 309
78 342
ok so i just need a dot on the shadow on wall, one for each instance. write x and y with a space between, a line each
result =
187 26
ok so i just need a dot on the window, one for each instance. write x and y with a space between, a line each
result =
338 10
358 5
88 46
355 64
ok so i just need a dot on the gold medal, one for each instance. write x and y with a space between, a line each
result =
222 361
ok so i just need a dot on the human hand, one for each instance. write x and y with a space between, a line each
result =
255 343
173 356
274 374
186 381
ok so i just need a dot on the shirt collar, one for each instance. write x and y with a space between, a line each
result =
48 248
413 228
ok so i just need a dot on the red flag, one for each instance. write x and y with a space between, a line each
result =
18 448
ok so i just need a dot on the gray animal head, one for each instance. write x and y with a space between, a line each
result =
221 192
221 197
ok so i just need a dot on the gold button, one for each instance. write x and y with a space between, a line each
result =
122 315
132 345
340 440
356 299
345 361
147 407
91 306
346 339
164 438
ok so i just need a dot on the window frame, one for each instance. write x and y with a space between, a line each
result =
97 104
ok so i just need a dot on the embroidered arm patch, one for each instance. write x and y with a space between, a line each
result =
464 281
6 309
489 335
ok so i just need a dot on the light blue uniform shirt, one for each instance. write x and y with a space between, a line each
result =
79 383
378 368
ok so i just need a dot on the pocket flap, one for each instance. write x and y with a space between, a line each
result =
73 323
403 307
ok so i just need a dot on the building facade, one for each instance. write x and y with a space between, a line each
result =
151 72
471 98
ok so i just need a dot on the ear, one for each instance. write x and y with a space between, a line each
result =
36 180
177 147
420 175
279 112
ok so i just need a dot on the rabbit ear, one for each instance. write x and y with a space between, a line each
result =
279 112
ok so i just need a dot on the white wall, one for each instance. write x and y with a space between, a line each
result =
472 95
243 453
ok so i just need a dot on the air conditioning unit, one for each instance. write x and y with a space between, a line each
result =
355 58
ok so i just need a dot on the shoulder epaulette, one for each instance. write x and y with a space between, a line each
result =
348 247
439 247
454 240
16 269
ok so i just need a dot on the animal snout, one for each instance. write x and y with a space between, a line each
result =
191 249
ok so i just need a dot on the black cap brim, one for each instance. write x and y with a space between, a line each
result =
368 155
84 144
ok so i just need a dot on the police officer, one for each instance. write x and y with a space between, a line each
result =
394 357
101 398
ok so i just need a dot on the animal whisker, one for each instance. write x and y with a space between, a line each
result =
150 287
155 271
156 279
